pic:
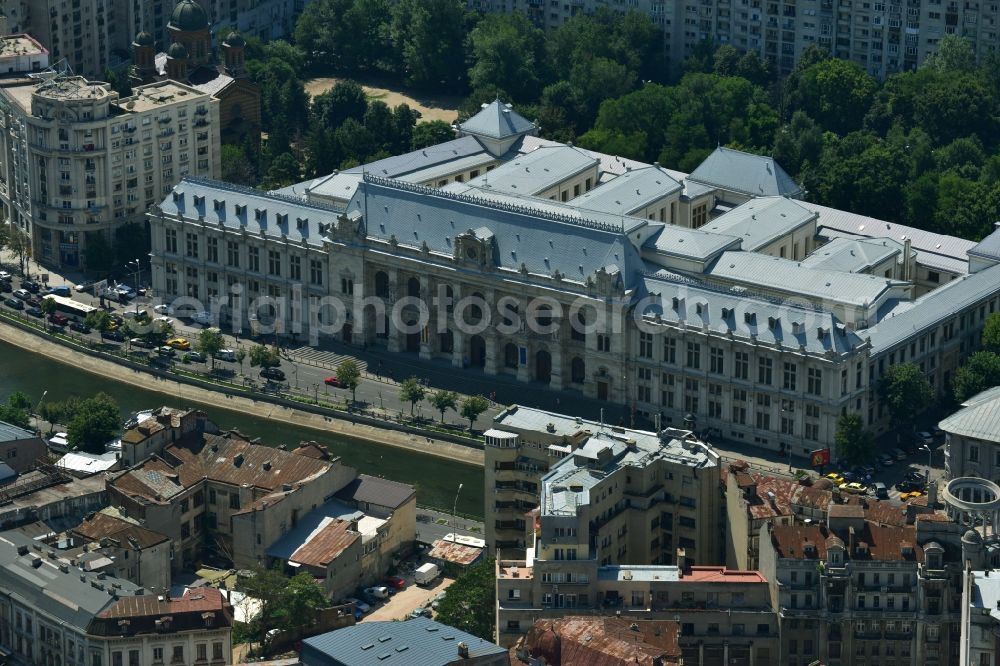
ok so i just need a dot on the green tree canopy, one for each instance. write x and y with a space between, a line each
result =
508 52
412 391
852 441
991 333
17 410
210 342
980 372
264 357
469 604
905 391
430 133
284 603
349 376
472 407
836 93
443 401
95 423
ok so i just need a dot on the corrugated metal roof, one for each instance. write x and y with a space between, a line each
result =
979 421
629 192
755 175
457 553
311 525
989 247
326 544
761 221
932 309
12 433
791 277
694 244
100 525
853 255
497 120
418 641
537 171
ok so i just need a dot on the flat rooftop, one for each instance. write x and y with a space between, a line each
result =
20 45
160 94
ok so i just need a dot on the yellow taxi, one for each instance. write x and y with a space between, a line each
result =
836 478
182 344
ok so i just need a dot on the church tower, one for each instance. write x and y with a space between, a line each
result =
188 26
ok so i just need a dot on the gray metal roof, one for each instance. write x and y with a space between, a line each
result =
979 421
853 255
11 433
418 641
69 596
373 490
989 247
537 171
755 175
687 243
927 242
629 192
218 206
794 278
934 308
542 243
761 221
497 120
744 315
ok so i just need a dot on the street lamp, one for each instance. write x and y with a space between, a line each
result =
135 281
930 458
454 520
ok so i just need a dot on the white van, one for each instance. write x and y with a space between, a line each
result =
225 355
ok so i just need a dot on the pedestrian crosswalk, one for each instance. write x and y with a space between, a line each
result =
323 359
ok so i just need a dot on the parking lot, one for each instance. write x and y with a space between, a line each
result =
399 605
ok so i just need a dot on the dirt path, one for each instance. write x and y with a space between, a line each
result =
399 606
431 107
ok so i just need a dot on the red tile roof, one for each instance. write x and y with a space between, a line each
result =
883 543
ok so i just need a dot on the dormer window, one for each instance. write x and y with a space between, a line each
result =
241 209
749 317
771 323
282 218
219 205
258 214
726 312
199 200
178 197
820 333
675 302
301 223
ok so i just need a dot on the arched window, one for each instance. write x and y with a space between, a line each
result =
510 355
382 284
577 370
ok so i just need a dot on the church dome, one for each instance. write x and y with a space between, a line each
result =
143 39
188 16
177 51
235 39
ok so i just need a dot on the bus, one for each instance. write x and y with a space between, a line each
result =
70 308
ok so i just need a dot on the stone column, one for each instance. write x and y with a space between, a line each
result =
457 336
556 351
524 370
428 335
492 351
394 341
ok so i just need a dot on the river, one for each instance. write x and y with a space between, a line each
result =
435 479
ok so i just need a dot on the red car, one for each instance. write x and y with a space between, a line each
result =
59 319
396 582
332 381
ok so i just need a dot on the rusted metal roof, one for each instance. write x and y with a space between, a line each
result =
99 526
457 553
326 544
604 641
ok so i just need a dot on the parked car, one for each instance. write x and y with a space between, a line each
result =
913 494
79 327
332 381
396 582
909 485
360 605
900 454
141 343
58 319
438 598
115 335
377 592
164 320
835 477
274 374
35 312
881 492
916 475
163 309
925 437
195 356
5 286
31 286
420 612
854 488
14 303
4 275
225 355
61 290
165 351
22 294
182 344
886 460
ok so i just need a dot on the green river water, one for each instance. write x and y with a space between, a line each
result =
435 479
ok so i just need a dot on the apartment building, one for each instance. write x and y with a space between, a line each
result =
20 449
972 438
980 618
605 640
725 615
636 472
851 591
223 495
76 161
52 611
21 53
131 551
882 37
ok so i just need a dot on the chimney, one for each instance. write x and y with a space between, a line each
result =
238 459
932 492
463 650
907 243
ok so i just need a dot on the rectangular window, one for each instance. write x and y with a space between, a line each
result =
646 345
718 361
273 263
670 351
741 369
232 254
212 245
814 381
171 240
316 272
295 268
764 367
693 355
253 259
790 376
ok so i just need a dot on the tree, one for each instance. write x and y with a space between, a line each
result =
155 333
953 54
980 372
835 92
241 355
349 376
18 244
346 99
264 357
210 342
302 599
284 170
429 38
53 412
905 391
47 305
469 604
472 407
17 410
237 167
508 52
443 401
99 320
852 441
431 133
412 391
991 333
94 424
